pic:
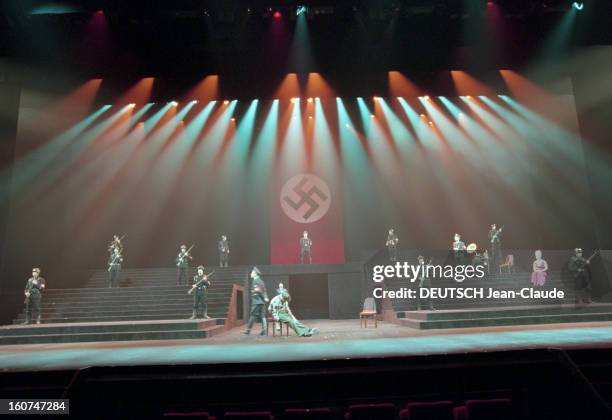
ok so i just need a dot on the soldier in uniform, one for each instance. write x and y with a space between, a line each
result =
279 307
200 287
259 297
224 251
579 267
459 250
305 245
392 241
33 296
114 267
424 283
182 262
495 239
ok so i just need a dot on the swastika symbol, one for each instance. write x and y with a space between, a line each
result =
305 198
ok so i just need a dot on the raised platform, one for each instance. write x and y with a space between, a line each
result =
506 281
110 331
500 316
143 294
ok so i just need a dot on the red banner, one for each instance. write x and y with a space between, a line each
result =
306 202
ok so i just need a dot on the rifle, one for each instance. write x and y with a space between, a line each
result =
591 257
200 282
496 234
116 244
181 259
587 262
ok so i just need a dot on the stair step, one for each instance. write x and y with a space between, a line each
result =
111 336
135 326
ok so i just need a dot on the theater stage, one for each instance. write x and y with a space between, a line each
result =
337 339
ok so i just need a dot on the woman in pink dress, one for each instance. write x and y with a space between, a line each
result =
540 267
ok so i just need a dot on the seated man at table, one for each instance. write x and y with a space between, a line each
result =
279 308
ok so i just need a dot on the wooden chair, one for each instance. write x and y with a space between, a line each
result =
272 321
369 310
508 264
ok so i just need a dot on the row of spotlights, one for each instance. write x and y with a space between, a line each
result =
309 100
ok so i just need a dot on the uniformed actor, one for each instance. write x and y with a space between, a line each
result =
114 267
392 241
224 251
279 307
495 239
33 296
305 246
259 297
182 262
200 295
459 250
579 267
424 283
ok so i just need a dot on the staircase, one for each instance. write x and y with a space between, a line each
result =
487 312
147 305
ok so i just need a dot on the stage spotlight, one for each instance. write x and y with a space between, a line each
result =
174 103
578 5
309 100
277 15
371 115
376 98
310 117
294 100
194 102
233 119
300 10
225 102
426 97
131 105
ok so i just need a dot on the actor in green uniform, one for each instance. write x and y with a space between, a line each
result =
33 296
424 283
279 307
224 251
305 246
182 262
579 267
114 267
200 297
259 297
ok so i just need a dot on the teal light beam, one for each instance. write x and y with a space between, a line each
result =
422 130
25 170
155 118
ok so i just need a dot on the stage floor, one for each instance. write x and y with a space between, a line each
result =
335 340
